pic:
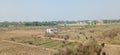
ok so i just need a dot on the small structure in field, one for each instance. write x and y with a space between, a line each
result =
82 23
51 30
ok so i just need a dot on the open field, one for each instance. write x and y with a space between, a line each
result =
13 48
34 41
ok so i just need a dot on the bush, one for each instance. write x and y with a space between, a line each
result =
65 51
29 42
82 49
50 35
12 39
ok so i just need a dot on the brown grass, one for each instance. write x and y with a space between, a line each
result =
98 32
12 48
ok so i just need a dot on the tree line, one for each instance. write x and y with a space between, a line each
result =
35 23
112 21
50 23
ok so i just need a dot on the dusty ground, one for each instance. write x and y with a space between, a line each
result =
112 49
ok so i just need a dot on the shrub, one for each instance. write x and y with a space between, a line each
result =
29 42
82 49
111 33
12 39
65 51
50 35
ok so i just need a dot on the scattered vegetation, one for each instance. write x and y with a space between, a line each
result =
36 36
44 42
111 33
81 49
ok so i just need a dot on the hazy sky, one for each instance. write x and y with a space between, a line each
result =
48 10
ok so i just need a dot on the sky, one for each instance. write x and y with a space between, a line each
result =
58 10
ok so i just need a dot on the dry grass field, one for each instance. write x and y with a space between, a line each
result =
15 48
34 41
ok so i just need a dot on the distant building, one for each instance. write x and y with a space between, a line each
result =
11 26
82 23
99 22
90 22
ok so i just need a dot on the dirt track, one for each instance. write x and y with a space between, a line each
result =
112 49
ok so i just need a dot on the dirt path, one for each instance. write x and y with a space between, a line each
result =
112 49
111 45
66 40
